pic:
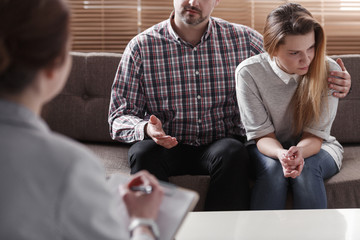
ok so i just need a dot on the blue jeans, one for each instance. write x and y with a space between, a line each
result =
271 187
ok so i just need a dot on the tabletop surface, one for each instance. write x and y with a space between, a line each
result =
329 224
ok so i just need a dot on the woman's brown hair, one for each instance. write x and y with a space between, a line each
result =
293 19
33 35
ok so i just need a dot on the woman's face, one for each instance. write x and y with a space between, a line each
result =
296 54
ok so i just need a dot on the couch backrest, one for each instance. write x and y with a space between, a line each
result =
81 109
346 127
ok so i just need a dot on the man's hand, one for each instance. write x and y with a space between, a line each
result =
154 130
340 81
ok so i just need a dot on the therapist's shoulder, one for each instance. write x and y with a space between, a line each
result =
66 151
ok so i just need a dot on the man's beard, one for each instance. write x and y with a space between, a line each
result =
191 20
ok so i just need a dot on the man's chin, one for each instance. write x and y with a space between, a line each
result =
192 21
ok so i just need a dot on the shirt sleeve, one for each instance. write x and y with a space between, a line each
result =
87 208
323 126
127 103
256 42
254 116
328 112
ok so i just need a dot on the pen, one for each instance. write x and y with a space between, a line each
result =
142 188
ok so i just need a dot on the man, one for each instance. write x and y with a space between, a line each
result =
174 95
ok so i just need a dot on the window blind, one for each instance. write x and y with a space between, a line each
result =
108 25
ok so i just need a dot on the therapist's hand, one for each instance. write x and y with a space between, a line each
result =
139 204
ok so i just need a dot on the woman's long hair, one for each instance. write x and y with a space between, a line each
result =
293 19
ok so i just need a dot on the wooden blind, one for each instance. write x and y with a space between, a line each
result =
103 25
108 25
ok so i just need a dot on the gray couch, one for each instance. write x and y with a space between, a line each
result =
80 112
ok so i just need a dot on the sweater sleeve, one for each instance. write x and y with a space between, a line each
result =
255 118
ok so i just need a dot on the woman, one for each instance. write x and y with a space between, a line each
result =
51 187
287 111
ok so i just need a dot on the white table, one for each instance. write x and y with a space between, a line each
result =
329 224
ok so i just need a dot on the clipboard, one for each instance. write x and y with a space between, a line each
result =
176 204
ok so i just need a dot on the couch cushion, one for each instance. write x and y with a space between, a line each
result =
80 111
346 127
113 156
343 189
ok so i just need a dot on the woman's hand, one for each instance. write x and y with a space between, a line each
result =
283 159
292 162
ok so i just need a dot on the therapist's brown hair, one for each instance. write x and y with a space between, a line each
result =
33 36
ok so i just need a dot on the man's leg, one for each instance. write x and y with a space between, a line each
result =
150 156
163 162
226 161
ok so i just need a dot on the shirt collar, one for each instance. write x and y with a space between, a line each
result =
170 28
16 114
176 36
284 76
209 29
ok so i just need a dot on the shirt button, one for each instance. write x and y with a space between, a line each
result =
199 121
195 49
197 72
199 97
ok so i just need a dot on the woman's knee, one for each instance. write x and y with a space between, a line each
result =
321 165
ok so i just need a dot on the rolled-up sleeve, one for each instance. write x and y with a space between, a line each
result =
127 105
255 118
322 128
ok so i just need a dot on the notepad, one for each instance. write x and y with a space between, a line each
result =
177 202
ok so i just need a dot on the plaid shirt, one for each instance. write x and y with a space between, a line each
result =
190 89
